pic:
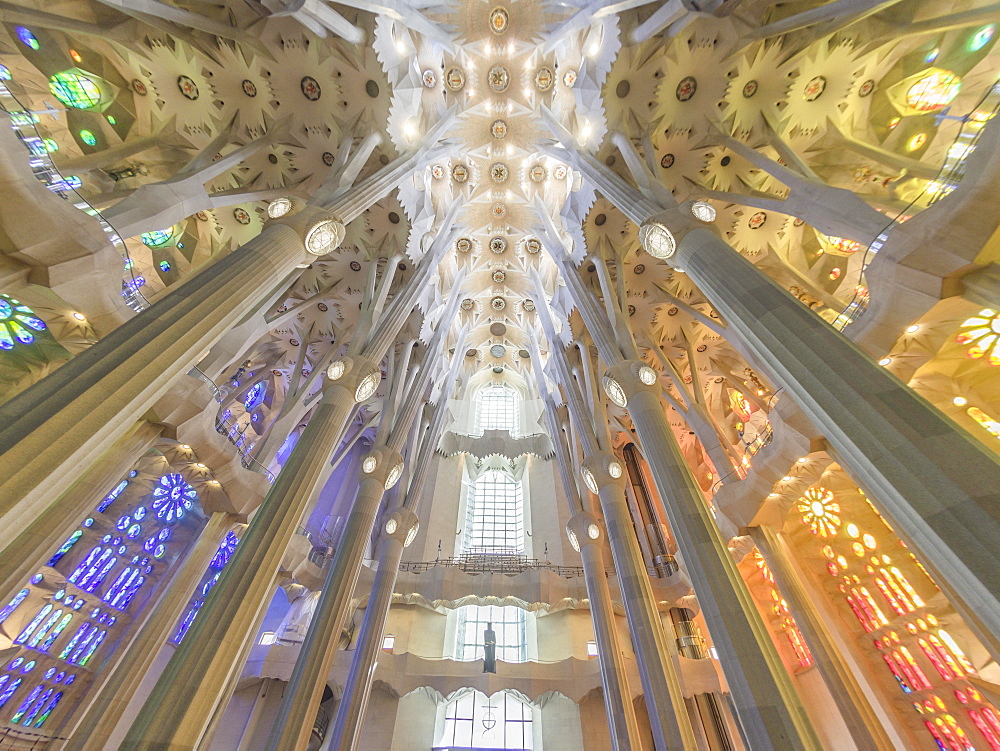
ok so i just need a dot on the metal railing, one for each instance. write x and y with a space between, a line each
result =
511 565
231 430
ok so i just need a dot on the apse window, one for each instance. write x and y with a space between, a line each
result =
494 522
591 650
388 642
476 721
497 408
507 622
267 638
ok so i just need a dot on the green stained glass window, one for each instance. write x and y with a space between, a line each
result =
75 90
88 138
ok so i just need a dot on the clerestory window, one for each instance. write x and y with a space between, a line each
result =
495 518
497 408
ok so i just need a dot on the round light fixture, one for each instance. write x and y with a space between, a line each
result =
647 375
657 240
615 391
589 479
366 389
703 211
391 526
593 531
279 207
336 370
615 469
411 535
572 539
324 237
393 477
959 401
368 464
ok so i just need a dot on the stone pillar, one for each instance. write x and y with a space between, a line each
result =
354 701
614 682
938 487
43 535
864 725
380 469
117 684
766 702
655 654
66 420
179 709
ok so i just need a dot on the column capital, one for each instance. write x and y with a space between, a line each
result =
601 469
399 523
662 233
584 529
320 230
357 374
628 378
383 465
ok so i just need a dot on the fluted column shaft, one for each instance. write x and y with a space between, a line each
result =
66 420
42 536
862 722
304 692
181 705
766 702
939 488
655 653
617 700
354 702
119 684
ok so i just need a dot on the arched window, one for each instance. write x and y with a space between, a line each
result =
497 409
474 720
508 622
495 518
12 605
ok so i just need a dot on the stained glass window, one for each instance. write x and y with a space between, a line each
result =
47 710
65 547
820 511
112 496
225 551
172 497
982 334
11 606
18 323
219 561
88 137
26 704
495 517
75 90
27 38
8 691
497 409
934 91
476 721
255 396
508 623
30 628
157 237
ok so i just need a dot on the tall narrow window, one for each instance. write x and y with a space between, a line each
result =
508 623
497 409
495 519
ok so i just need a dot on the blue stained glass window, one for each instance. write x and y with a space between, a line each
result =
40 633
65 547
81 632
92 571
75 90
48 710
9 691
92 648
255 396
126 586
73 182
225 551
18 323
27 38
5 73
30 628
60 627
37 707
172 497
133 284
11 606
110 497
26 704
164 266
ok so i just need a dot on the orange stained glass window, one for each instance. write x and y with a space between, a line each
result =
868 602
820 511
891 597
991 735
893 661
913 670
992 718
802 653
946 671
903 582
956 650
947 655
982 334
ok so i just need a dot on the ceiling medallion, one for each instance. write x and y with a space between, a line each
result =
686 88
866 88
328 158
631 310
460 173
498 210
570 78
467 304
499 276
667 161
544 79
638 269
672 311
249 87
437 171
454 79
139 87
499 129
463 245
498 350
428 79
750 88
529 305
533 245
757 220
498 303
202 215
537 173
499 20
560 172
499 78
310 88
814 89
498 245
187 87
241 215
499 172
355 266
